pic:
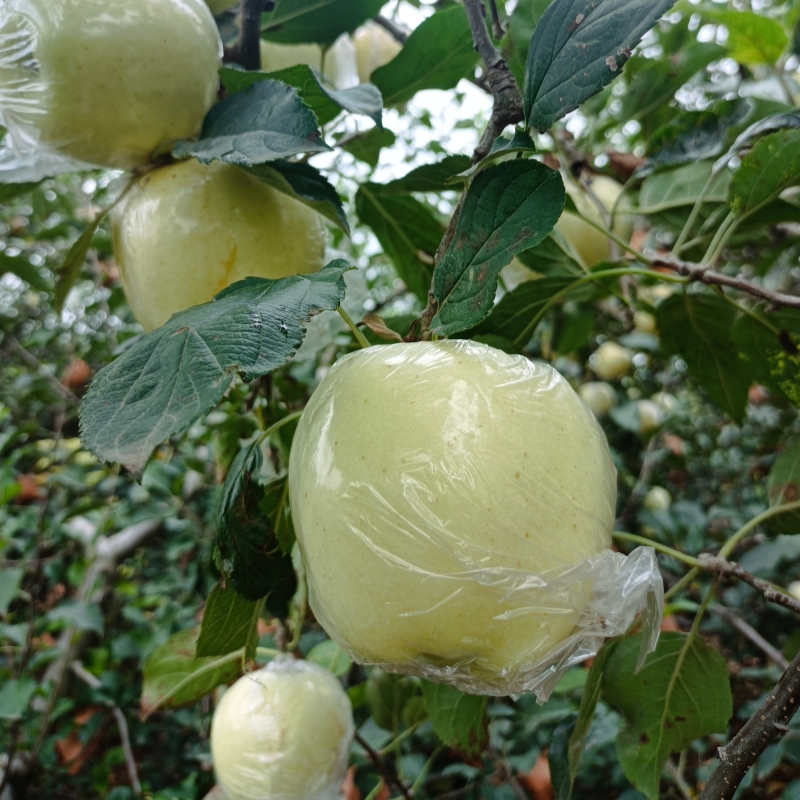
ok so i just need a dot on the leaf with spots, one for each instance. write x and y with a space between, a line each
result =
179 372
508 208
680 694
783 486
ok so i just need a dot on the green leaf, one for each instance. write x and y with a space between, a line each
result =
247 541
770 359
437 55
70 269
430 177
578 47
387 695
229 623
770 167
681 694
266 122
752 38
15 694
681 187
180 371
10 191
82 615
321 21
325 102
174 676
508 208
367 147
407 230
306 184
552 257
458 719
24 270
330 656
10 583
783 486
697 327
774 122
275 506
558 759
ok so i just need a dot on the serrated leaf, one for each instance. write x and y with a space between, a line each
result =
681 694
770 167
70 269
508 208
407 230
180 371
752 38
173 676
697 327
438 53
458 719
24 270
264 123
325 102
321 21
367 147
430 177
306 184
558 758
578 47
774 122
248 543
783 486
230 623
770 359
275 506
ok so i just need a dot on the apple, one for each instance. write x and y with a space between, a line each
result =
375 46
337 64
431 482
650 415
599 396
284 732
516 272
794 589
644 322
590 244
611 361
221 6
657 499
107 82
665 401
188 230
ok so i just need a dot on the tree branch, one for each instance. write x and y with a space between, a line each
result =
507 98
749 632
247 50
497 26
767 724
709 276
395 30
389 776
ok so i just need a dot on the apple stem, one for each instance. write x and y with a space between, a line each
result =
359 337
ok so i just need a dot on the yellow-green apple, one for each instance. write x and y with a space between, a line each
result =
599 396
431 484
107 82
657 499
611 361
375 46
188 230
284 732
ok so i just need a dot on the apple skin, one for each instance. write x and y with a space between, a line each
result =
589 243
188 230
113 80
375 47
611 361
284 732
428 482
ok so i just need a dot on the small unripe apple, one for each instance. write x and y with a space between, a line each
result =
375 46
657 499
188 230
599 396
589 243
430 484
107 82
650 415
644 322
611 361
221 6
794 589
665 401
284 732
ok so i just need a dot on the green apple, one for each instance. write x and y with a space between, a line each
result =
657 499
108 82
375 46
590 244
611 361
221 6
188 230
599 396
650 415
430 484
644 322
282 732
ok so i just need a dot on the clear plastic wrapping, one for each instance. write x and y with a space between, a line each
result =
454 507
283 733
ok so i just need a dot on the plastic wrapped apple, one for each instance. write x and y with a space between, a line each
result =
375 46
589 243
188 230
454 505
106 82
283 733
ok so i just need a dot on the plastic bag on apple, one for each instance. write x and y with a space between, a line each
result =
454 506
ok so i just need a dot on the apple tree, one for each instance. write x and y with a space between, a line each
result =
418 380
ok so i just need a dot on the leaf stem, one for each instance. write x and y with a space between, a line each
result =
718 242
733 541
682 583
278 425
359 337
698 204
662 548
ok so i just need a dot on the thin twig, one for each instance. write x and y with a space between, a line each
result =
749 632
767 724
247 50
395 30
497 27
122 724
390 777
